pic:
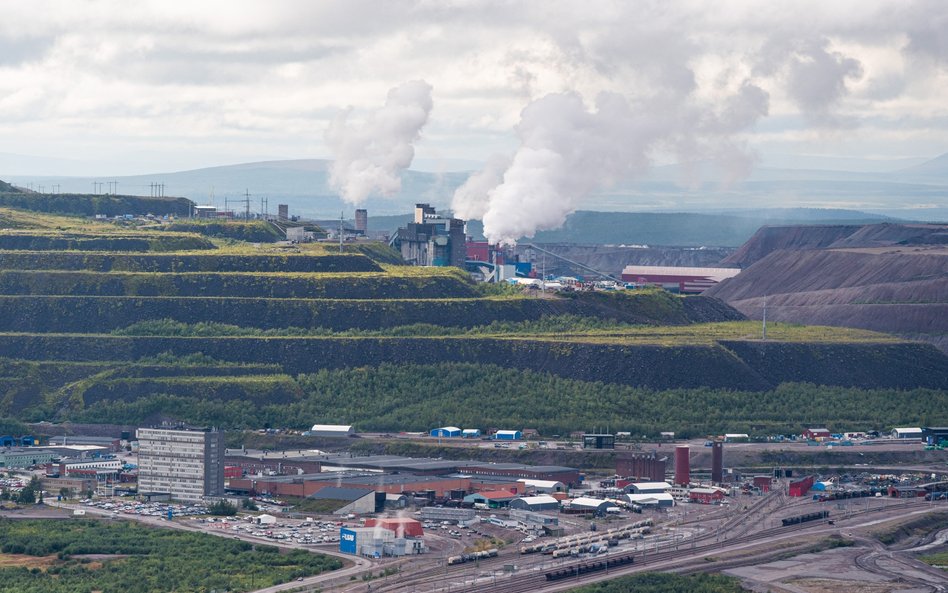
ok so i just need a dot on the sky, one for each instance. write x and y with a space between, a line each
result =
124 88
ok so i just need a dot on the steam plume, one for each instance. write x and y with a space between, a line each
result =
567 151
369 157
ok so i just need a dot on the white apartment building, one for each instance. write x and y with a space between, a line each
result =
186 463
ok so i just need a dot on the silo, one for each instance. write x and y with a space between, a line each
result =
682 468
362 220
717 462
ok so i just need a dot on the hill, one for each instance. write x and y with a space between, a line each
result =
885 277
241 335
6 187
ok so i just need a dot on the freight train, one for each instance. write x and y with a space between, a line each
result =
589 567
805 518
632 531
491 553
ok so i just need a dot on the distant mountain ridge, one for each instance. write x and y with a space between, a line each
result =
916 192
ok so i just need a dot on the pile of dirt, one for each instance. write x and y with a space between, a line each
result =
884 277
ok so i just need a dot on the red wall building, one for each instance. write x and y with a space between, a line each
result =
801 487
706 495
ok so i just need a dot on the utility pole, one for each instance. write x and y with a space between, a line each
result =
247 204
764 328
341 214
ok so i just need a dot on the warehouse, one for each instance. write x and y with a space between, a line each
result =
907 433
446 432
332 430
535 503
367 541
543 486
584 505
661 499
648 487
599 441
471 433
343 501
816 434
678 279
801 487
494 499
508 435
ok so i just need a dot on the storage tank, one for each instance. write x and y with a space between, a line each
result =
682 467
717 462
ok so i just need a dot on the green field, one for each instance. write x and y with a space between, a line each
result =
46 556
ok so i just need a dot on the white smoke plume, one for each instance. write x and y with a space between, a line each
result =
470 200
369 157
567 151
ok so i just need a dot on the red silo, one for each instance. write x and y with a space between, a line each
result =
717 462
682 467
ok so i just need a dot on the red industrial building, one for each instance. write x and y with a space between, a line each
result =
717 462
641 467
682 465
763 483
815 434
401 527
233 471
685 280
706 495
801 487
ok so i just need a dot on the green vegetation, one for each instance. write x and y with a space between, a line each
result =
90 205
939 560
654 582
254 231
416 397
140 559
32 241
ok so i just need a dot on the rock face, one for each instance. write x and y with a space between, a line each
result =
885 277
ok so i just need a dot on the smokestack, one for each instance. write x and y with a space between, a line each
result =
362 220
682 467
717 462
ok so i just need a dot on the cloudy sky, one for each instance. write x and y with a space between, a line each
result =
134 87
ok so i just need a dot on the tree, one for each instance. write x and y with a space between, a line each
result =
222 508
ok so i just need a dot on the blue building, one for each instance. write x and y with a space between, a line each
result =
508 435
347 541
446 432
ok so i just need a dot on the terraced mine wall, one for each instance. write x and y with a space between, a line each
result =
132 262
736 365
156 242
90 205
284 286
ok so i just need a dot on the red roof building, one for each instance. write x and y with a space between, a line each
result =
706 495
401 527
815 434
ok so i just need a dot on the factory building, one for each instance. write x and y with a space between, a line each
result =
558 473
678 279
431 239
186 463
24 457
349 500
801 487
641 467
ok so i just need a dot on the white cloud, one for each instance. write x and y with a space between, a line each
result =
226 78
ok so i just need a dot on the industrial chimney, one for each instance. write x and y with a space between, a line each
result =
682 467
717 462
362 221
